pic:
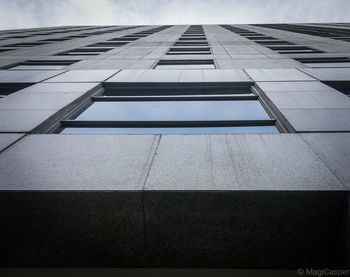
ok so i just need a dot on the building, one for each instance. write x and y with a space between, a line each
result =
221 146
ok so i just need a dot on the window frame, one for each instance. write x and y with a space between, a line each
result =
70 122
189 51
185 62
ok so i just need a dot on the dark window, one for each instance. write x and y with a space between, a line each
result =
294 49
55 40
2 50
107 44
185 64
335 33
274 42
189 51
127 39
26 44
85 51
325 61
342 86
192 38
43 65
191 43
9 88
258 37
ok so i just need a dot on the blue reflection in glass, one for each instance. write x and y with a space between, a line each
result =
174 131
175 110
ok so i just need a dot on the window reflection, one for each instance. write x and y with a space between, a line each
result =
175 110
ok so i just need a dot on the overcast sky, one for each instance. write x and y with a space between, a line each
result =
40 13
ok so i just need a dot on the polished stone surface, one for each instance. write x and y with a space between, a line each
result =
8 139
39 162
23 120
238 162
334 150
278 75
293 86
318 120
59 87
26 76
329 74
83 76
331 99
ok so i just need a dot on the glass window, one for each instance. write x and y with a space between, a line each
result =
175 110
185 109
185 64
190 91
189 51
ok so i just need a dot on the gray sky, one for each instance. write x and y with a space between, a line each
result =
39 13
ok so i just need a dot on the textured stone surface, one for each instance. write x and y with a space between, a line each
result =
329 74
8 139
75 162
174 76
318 120
26 76
331 99
293 86
238 162
83 76
334 150
157 76
38 101
59 87
278 75
126 76
22 120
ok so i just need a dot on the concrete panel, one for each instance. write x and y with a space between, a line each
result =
38 101
191 76
229 75
125 76
309 100
238 162
318 120
334 150
22 120
293 86
329 74
278 75
159 76
16 76
262 63
59 87
8 139
83 76
87 162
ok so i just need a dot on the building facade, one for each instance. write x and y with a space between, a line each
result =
221 146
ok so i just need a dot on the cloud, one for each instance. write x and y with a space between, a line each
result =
42 13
